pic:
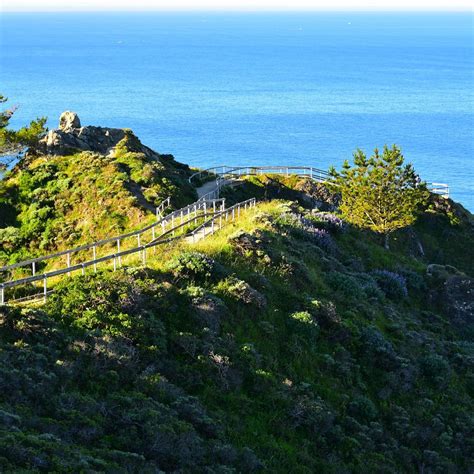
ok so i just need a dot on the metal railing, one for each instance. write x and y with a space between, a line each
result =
224 214
176 220
442 189
225 172
160 210
161 225
208 227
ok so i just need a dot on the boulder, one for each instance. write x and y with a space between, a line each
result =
72 137
458 299
453 291
68 121
318 195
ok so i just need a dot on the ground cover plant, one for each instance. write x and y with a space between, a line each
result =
255 350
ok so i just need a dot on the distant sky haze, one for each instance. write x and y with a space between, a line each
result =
234 5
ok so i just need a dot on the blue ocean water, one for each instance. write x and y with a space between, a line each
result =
293 88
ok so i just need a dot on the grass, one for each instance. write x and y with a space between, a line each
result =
289 374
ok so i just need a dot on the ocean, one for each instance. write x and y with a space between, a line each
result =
257 88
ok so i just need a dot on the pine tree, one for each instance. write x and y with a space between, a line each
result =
380 193
14 142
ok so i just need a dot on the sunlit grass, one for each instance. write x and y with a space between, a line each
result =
159 256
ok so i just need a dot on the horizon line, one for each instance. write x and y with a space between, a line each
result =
244 10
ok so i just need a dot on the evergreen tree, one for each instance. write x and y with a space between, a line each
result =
380 193
14 142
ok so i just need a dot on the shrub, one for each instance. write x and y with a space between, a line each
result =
434 366
414 280
379 349
304 322
369 285
304 317
392 284
346 285
118 305
10 237
363 408
329 221
311 412
305 227
193 266
326 312
242 291
323 239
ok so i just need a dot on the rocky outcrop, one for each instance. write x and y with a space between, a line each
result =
458 299
71 137
318 195
454 292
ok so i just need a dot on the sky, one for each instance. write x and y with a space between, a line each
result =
285 5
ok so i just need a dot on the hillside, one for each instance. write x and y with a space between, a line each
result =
288 341
75 190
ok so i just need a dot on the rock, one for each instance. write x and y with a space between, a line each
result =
441 272
318 195
458 299
453 292
68 121
71 137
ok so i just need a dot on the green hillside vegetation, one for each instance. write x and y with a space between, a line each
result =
50 203
290 341
287 342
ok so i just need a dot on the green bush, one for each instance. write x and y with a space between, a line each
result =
346 285
392 284
192 266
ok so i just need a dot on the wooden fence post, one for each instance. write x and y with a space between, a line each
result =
45 287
